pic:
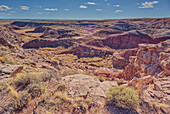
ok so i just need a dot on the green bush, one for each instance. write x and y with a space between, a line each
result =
36 89
122 96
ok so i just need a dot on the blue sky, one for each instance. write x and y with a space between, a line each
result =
83 9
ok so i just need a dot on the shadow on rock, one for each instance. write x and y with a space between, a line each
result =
118 110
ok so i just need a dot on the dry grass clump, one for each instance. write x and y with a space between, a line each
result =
37 89
19 99
26 79
60 99
33 77
97 62
8 59
81 104
61 87
66 72
3 86
87 60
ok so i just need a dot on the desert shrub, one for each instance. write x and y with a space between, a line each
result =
25 79
122 96
3 86
162 106
59 99
66 72
50 105
37 89
81 104
61 87
87 60
47 75
7 59
21 101
12 91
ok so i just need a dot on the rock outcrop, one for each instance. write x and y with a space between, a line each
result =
80 85
149 60
36 24
39 43
108 31
149 73
123 26
126 40
5 43
40 30
9 70
53 33
89 51
8 35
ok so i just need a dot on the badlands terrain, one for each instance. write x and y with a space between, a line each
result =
68 66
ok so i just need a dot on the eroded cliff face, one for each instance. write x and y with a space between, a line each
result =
151 59
38 43
149 73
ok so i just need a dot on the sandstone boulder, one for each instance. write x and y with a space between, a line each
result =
80 85
11 70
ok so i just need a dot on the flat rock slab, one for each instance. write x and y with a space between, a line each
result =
80 85
10 69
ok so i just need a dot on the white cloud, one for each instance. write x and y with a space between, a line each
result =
50 9
98 9
5 14
118 11
12 11
91 3
66 9
116 5
82 6
24 7
148 4
39 13
4 8
108 4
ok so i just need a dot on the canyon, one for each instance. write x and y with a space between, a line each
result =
77 61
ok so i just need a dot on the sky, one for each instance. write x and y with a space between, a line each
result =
83 9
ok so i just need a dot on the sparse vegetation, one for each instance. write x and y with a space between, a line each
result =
42 84
19 99
59 99
26 78
87 60
61 87
122 96
81 104
66 72
162 106
37 89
